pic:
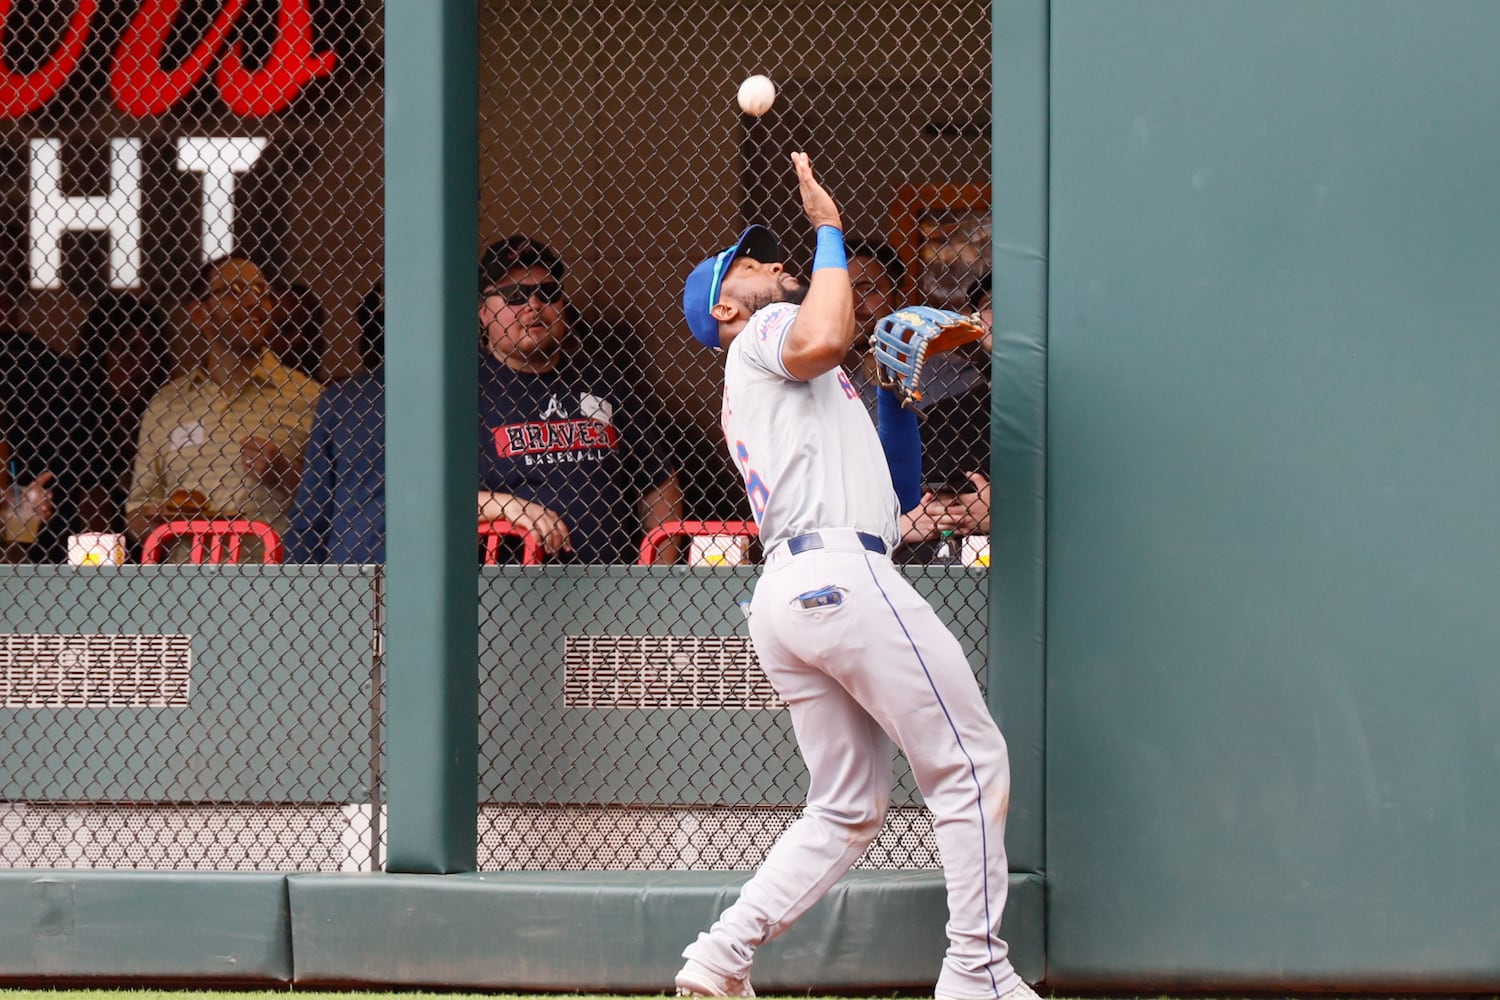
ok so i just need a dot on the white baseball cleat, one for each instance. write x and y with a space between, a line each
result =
697 980
1018 992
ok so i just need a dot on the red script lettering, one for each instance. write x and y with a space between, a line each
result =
139 84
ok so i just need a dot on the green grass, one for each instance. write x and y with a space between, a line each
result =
296 994
191 994
293 994
289 994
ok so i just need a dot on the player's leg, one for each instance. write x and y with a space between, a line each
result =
848 760
914 679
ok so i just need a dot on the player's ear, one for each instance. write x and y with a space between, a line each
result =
724 310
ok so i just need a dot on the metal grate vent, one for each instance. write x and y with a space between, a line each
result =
650 671
86 671
178 837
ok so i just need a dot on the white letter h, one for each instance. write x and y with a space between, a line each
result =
53 213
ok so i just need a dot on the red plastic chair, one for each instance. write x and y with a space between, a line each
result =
221 537
492 531
672 529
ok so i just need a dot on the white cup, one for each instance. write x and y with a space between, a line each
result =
96 548
718 550
977 551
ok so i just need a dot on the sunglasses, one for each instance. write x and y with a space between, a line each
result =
546 292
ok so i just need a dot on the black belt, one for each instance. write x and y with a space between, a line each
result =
813 540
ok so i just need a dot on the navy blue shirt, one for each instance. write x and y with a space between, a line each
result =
339 513
575 442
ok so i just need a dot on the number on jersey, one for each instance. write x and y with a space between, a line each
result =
755 487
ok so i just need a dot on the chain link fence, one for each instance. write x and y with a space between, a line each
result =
191 387
192 223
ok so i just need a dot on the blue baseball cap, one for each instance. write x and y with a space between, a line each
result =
701 293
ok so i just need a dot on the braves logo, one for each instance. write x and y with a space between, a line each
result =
549 436
557 435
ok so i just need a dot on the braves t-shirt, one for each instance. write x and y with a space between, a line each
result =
576 443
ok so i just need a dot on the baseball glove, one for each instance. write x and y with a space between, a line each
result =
904 340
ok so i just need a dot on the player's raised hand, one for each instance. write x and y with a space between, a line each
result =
817 203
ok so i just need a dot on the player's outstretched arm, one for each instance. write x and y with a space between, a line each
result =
824 328
901 440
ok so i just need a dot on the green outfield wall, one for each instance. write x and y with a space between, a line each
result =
1243 620
1273 710
247 734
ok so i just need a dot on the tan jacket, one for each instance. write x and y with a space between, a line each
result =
191 433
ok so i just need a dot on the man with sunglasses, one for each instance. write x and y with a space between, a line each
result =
565 450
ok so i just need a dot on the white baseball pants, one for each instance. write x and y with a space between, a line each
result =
875 667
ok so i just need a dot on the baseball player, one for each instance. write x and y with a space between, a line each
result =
859 657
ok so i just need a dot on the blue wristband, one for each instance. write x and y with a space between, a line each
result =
830 252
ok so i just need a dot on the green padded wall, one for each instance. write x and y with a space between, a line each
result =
122 926
1273 566
622 931
1017 607
432 171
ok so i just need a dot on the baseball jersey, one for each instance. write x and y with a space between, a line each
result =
807 451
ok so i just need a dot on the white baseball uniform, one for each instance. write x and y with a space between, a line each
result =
862 660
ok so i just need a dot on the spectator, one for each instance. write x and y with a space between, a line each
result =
955 474
566 451
25 508
226 437
339 513
36 383
125 357
297 323
955 453
877 272
955 407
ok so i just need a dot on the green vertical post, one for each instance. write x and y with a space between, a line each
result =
431 226
1018 419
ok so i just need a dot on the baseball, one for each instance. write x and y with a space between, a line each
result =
757 94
